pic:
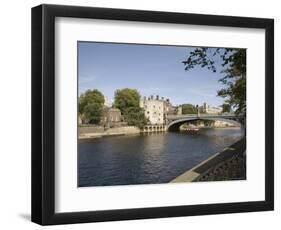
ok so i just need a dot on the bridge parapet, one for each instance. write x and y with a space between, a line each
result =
224 115
175 121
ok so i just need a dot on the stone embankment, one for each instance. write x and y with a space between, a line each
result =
230 164
91 131
97 132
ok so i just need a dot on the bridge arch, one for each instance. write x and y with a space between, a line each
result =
175 125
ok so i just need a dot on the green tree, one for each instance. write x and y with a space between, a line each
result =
226 108
135 116
91 105
126 98
93 112
233 64
188 109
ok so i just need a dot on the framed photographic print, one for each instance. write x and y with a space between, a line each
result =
141 114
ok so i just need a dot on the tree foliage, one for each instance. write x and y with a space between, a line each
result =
233 63
135 116
126 98
226 108
93 112
188 109
91 105
128 101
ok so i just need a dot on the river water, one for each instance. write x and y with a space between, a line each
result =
148 159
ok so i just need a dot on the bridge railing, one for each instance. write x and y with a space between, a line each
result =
201 115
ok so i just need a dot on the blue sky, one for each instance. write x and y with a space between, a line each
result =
151 69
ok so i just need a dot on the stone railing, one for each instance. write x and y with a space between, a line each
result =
232 169
230 164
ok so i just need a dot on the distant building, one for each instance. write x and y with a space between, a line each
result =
211 109
156 109
111 115
179 110
153 109
82 119
107 102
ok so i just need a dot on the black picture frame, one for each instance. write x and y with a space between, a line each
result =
43 114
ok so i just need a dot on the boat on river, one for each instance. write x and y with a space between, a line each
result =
191 130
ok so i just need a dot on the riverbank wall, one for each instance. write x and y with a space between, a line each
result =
229 164
92 131
98 131
95 131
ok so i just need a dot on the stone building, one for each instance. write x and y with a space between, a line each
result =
153 109
82 119
107 102
156 109
111 115
211 109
